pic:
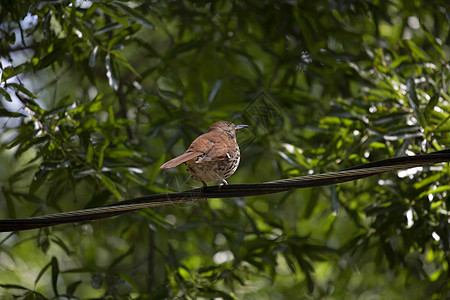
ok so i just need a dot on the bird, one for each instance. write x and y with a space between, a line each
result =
213 156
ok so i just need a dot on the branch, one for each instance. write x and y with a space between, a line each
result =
227 191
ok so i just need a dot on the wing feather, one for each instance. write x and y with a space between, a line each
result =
180 159
213 146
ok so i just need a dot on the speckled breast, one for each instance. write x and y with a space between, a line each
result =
208 171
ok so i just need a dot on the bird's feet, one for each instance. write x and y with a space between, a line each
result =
224 182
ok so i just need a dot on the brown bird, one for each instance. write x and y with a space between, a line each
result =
212 156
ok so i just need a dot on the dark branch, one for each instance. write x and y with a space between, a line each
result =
227 191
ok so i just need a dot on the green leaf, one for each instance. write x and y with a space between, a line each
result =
335 204
90 153
108 28
52 57
416 51
101 155
22 89
414 101
10 205
110 185
93 57
5 95
125 63
10 72
120 153
9 114
41 273
55 274
136 14
398 61
113 13
72 287
96 105
13 286
38 180
60 242
432 103
111 72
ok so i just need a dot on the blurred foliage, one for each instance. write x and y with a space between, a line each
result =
96 95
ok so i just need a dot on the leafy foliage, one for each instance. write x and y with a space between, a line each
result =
97 94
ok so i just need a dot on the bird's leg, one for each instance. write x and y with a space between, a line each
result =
224 182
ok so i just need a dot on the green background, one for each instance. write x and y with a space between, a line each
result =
96 95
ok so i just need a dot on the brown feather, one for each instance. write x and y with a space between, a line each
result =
180 159
212 146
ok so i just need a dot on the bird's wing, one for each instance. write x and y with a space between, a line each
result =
180 159
212 145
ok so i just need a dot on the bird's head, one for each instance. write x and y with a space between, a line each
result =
226 127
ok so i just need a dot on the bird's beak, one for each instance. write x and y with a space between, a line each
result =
241 126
